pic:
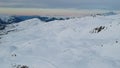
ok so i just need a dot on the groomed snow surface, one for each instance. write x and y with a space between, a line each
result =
73 43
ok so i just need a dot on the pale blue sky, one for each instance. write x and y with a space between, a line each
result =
74 4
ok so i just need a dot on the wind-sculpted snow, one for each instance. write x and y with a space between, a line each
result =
73 43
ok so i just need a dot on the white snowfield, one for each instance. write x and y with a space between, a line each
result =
74 43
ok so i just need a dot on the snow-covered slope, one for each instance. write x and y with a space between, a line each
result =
89 42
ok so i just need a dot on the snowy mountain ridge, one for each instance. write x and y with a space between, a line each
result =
6 19
88 42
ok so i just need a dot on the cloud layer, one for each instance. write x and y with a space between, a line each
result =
77 4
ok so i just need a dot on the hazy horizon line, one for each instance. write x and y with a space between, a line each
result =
51 11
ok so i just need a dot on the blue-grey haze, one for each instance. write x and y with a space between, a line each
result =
77 4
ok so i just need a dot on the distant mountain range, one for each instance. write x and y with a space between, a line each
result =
107 14
4 20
